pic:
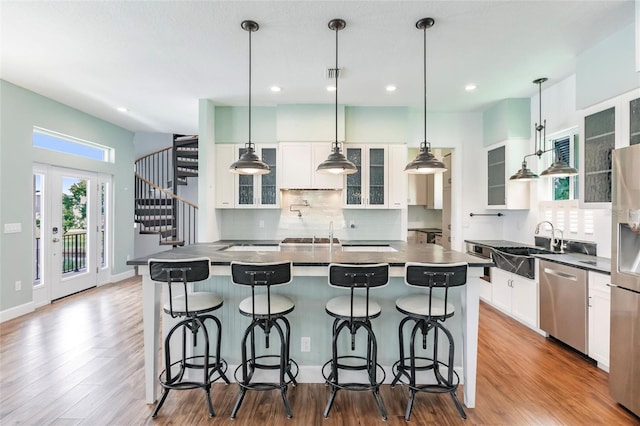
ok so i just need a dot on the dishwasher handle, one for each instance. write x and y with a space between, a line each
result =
560 274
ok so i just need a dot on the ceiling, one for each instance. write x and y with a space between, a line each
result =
158 58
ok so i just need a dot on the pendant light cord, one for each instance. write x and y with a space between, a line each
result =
336 78
425 83
250 88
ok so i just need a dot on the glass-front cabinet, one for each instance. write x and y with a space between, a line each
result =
503 160
599 142
246 191
634 121
259 190
369 187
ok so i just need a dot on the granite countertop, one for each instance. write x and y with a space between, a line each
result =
434 230
318 255
578 260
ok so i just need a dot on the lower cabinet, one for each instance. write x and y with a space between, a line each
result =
599 318
515 295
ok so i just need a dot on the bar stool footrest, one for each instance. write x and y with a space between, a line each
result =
402 372
353 386
291 374
217 369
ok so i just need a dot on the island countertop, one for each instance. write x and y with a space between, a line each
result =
318 255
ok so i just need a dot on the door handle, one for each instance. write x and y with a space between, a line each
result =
56 240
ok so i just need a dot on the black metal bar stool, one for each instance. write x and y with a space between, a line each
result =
428 313
352 313
195 308
267 311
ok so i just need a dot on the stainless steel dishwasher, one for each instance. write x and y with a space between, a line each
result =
563 303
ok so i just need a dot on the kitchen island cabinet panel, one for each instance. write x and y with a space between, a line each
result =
516 296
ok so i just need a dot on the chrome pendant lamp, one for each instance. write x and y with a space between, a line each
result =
425 162
337 163
249 163
559 168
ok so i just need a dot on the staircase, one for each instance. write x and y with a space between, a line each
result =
158 208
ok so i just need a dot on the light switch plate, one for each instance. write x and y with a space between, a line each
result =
12 228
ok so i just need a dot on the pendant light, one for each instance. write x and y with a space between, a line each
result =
559 168
336 163
249 163
425 162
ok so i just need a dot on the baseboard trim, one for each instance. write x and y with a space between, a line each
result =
122 276
16 311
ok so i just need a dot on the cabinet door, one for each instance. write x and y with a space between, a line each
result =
269 191
524 300
378 184
501 285
599 317
599 141
296 165
225 181
496 169
354 182
246 196
634 121
397 177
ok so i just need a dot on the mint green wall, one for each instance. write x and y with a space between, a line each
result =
607 69
376 124
232 124
21 110
309 123
508 119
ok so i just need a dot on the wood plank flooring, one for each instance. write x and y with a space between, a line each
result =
79 361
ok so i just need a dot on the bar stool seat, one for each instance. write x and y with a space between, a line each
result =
353 313
268 313
190 370
427 313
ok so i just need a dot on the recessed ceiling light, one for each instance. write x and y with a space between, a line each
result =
331 88
122 109
390 88
276 88
470 87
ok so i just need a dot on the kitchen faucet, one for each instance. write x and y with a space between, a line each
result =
553 233
331 232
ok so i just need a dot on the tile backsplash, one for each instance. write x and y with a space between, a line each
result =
317 208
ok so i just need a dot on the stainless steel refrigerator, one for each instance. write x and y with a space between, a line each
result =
624 368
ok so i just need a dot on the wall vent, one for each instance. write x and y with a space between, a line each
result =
332 71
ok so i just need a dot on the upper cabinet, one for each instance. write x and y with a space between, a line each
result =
248 191
397 176
369 187
298 162
503 160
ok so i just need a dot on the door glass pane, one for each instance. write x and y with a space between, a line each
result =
268 187
376 176
245 186
74 224
496 195
354 181
38 180
102 223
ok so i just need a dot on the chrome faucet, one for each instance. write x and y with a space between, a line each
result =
331 232
553 232
562 243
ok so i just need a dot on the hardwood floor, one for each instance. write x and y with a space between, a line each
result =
79 361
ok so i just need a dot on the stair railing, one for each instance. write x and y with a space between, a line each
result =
172 230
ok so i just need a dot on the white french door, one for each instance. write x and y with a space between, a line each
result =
72 225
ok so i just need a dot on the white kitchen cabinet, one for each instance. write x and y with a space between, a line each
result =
515 295
599 318
397 177
246 191
298 163
225 180
369 187
503 160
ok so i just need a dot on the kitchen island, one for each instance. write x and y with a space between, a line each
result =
310 292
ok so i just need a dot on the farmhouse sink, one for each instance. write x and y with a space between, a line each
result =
518 259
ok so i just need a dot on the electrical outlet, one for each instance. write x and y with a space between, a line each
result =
18 285
305 344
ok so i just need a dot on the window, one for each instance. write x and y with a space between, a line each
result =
565 147
54 141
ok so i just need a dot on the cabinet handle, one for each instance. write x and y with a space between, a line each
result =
449 227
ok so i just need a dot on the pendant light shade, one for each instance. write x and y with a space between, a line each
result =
337 163
559 168
425 162
249 163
